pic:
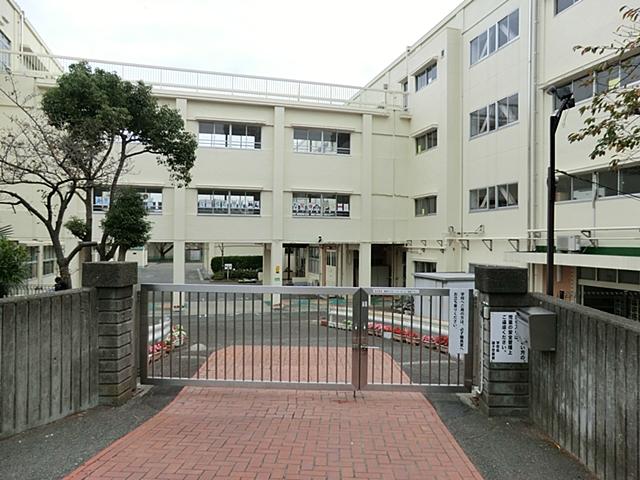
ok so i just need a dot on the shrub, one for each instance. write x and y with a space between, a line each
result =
236 274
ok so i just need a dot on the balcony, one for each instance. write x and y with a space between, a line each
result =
185 81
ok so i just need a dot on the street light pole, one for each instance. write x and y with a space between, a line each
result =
567 101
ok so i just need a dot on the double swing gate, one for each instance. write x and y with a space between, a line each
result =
298 337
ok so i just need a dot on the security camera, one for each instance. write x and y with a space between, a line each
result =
319 238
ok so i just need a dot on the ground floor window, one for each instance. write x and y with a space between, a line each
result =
48 260
424 267
314 260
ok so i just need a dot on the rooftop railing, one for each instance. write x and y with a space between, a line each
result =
171 79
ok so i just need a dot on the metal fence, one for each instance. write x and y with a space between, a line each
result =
180 79
48 358
29 289
300 337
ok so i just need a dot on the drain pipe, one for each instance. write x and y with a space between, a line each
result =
532 183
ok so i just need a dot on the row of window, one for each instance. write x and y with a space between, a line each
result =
320 205
312 140
427 140
622 74
48 261
493 116
498 35
152 198
495 196
228 202
598 183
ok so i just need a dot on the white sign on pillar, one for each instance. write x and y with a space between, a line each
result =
509 338
458 321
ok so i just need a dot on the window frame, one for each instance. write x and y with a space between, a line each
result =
48 262
556 12
490 116
430 206
430 74
425 141
492 35
228 194
321 141
105 194
338 205
230 140
491 197
5 57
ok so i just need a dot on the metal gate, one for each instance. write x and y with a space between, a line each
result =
297 337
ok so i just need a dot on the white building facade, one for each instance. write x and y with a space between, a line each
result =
438 164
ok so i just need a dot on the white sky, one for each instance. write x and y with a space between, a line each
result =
333 41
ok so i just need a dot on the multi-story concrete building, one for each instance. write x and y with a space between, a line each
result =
438 164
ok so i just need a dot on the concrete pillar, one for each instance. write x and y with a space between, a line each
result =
505 386
266 264
364 265
114 283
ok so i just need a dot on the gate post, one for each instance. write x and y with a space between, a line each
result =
359 352
114 283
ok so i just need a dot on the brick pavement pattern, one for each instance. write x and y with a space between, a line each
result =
285 434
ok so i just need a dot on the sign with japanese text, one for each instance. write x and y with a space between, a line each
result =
458 321
509 338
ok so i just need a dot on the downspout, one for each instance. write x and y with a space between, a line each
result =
532 184
21 31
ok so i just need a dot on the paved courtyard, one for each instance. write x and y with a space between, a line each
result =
286 434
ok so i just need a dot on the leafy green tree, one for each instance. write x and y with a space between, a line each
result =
13 263
118 121
612 117
125 225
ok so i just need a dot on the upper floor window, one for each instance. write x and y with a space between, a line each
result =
502 113
564 4
229 135
320 205
5 57
426 206
490 198
152 198
599 183
228 202
426 76
427 140
312 140
498 35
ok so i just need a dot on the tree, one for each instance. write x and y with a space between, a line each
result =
46 160
117 120
164 248
612 117
13 263
125 225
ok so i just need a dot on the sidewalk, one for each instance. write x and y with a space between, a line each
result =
269 434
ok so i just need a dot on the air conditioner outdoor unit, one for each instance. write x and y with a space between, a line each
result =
568 243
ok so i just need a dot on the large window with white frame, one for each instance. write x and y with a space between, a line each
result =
314 260
320 205
495 115
48 260
228 202
426 205
493 197
426 76
32 262
495 37
151 197
562 5
229 135
427 140
5 57
314 140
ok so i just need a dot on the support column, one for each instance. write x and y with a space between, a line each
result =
114 283
364 265
505 386
179 220
276 268
266 264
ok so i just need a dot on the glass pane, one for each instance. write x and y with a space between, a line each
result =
475 50
492 116
432 207
421 80
253 137
628 276
492 197
484 45
582 187
315 136
563 4
220 134
503 31
238 132
563 188
630 71
253 203
344 143
474 202
503 196
300 140
630 180
329 206
513 194
607 183
432 73
607 79
483 120
607 275
153 201
513 109
205 203
432 139
205 127
474 126
329 142
492 39
587 273
343 206
421 143
299 206
514 24
562 91
419 207
221 202
583 88
483 199
503 112
315 205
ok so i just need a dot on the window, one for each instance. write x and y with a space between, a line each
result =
630 180
49 260
228 202
427 140
5 57
320 205
496 115
32 262
426 206
321 141
426 76
229 135
608 79
425 267
490 198
314 260
151 197
496 36
575 187
405 97
564 4
332 258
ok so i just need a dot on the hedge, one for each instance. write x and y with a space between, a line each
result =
248 262
236 274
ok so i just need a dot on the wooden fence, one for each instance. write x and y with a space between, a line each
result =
48 358
585 395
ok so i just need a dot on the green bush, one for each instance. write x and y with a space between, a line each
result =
250 262
236 274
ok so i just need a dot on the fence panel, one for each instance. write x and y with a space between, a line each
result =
48 346
585 395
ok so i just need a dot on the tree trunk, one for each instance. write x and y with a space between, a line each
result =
85 253
65 274
122 254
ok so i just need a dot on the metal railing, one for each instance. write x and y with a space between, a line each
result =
28 289
296 337
213 83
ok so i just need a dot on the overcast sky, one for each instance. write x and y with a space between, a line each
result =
337 41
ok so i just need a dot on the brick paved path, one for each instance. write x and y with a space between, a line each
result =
284 434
